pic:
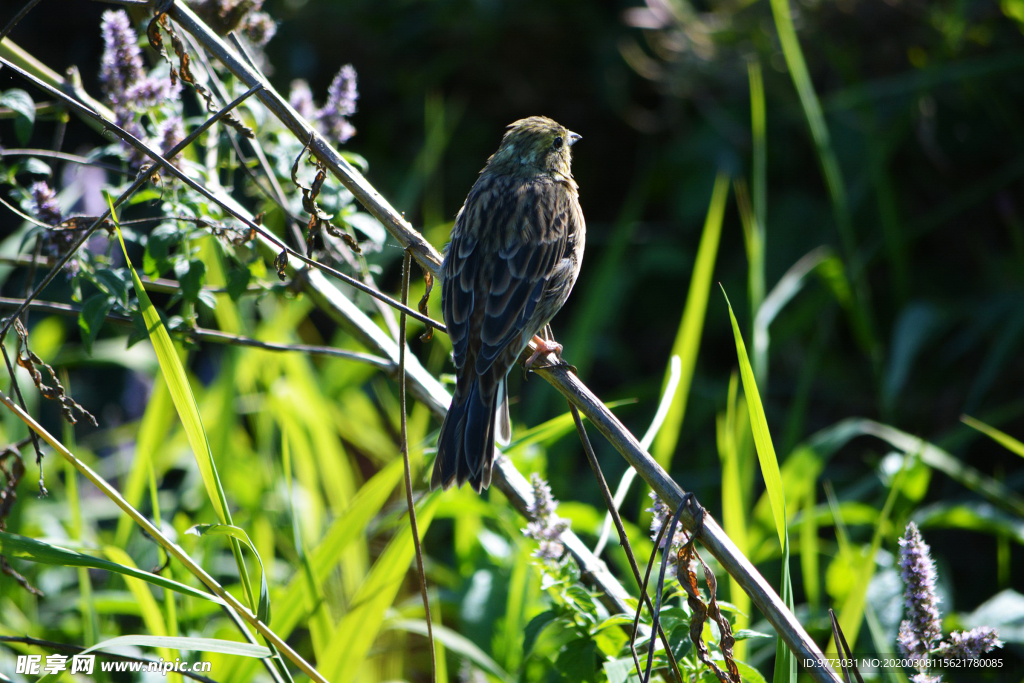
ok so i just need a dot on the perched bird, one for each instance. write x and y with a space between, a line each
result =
514 255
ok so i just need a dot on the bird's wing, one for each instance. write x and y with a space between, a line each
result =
508 240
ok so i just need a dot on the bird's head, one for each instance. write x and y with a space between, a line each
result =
535 145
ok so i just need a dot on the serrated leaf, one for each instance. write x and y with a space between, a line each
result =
577 660
238 282
191 275
535 627
91 318
24 108
113 282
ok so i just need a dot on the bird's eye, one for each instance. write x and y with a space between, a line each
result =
558 142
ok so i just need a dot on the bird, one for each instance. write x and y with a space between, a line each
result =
514 256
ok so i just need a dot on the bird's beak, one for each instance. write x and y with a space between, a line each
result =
574 138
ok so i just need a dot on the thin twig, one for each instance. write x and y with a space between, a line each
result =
652 431
214 336
74 649
406 267
17 17
62 156
643 591
142 179
192 184
21 402
609 502
656 614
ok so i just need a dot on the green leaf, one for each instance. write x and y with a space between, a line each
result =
114 283
238 281
36 166
263 611
620 670
191 275
1005 440
747 634
359 627
157 258
25 112
577 660
24 548
762 437
91 318
535 627
687 342
228 647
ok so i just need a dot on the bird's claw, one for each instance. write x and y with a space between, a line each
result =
543 348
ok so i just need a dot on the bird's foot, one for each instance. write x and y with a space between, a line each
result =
543 348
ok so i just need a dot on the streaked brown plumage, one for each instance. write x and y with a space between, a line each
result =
514 256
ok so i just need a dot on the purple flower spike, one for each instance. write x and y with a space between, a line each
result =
970 644
121 67
44 203
547 527
301 99
920 631
341 103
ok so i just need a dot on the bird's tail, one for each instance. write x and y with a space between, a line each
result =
465 448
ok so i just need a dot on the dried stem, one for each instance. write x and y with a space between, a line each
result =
18 17
215 336
406 267
623 539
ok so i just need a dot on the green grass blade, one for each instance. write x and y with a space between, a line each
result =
734 505
829 164
297 599
785 660
263 611
455 642
815 120
153 430
687 342
1002 438
359 628
762 437
181 393
188 410
228 647
24 548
